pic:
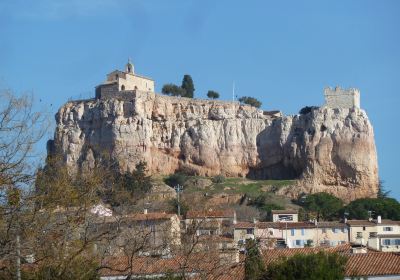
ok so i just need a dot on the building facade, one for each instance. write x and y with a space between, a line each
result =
379 234
120 81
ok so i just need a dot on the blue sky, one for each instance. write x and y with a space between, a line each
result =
282 52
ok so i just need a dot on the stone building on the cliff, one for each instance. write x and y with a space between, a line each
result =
121 81
342 98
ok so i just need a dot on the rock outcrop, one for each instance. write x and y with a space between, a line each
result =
327 149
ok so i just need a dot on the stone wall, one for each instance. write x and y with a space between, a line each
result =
106 91
342 98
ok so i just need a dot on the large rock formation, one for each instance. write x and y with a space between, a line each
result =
327 149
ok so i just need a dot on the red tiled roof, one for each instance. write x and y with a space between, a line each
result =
147 266
367 264
284 211
228 213
149 216
274 254
371 223
244 225
373 264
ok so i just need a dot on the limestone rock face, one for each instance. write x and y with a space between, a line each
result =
327 149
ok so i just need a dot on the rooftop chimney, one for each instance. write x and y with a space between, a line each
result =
379 219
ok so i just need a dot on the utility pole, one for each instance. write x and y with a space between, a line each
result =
178 188
18 247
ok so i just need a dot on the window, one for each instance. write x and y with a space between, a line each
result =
344 230
292 231
387 229
359 235
122 87
334 230
397 242
386 242
116 76
324 230
372 234
302 231
249 231
363 228
298 242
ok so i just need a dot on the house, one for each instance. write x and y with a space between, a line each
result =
292 234
211 222
156 233
382 235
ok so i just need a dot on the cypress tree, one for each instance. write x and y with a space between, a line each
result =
188 86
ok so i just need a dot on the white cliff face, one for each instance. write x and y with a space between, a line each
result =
328 149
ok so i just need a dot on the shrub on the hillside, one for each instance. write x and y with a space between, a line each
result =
250 101
219 179
176 179
307 109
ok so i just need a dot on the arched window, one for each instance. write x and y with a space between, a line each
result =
116 76
122 87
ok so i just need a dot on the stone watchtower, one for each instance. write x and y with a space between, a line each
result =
118 82
342 98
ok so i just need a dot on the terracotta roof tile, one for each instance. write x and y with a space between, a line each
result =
244 225
373 264
371 223
284 211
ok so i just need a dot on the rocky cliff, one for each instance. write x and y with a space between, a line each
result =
327 149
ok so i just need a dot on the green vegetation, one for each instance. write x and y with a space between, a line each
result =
251 188
176 179
387 208
212 94
78 268
185 90
325 206
188 86
173 90
254 267
318 266
266 203
173 203
219 179
250 101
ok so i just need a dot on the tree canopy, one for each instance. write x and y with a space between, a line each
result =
387 208
212 94
173 90
250 101
325 206
188 86
327 266
185 90
254 266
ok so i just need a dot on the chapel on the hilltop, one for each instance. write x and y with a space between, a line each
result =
119 81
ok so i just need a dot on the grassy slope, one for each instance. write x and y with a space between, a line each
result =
241 186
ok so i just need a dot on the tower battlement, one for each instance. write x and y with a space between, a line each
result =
342 98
